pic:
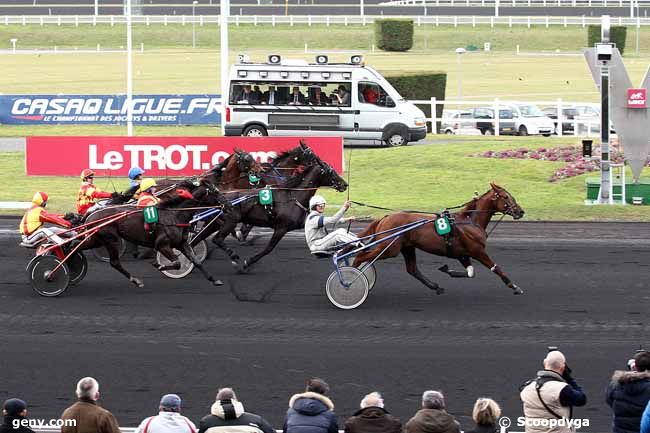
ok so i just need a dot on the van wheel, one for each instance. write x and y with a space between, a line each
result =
488 132
449 132
255 131
523 131
396 137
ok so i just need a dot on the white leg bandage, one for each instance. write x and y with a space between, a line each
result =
470 271
493 267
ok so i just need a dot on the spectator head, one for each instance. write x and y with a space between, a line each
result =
342 88
642 361
317 90
247 89
296 90
256 88
555 361
170 403
372 400
226 394
271 88
14 407
319 386
88 388
433 400
486 412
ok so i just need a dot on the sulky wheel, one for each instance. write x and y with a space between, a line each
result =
100 253
186 265
201 251
46 283
351 292
78 266
370 272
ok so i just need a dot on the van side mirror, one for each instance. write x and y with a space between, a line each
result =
389 102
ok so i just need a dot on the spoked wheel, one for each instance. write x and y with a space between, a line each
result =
201 251
46 283
78 266
352 292
186 265
371 274
101 253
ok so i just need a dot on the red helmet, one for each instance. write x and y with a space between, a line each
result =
86 174
39 198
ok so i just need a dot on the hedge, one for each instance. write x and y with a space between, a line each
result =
617 35
423 87
394 34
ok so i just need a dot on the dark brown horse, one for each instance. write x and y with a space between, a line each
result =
467 240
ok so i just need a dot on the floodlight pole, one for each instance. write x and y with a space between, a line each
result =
96 7
459 53
605 196
362 7
194 3
225 66
129 71
496 8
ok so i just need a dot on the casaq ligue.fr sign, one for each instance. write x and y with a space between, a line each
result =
110 109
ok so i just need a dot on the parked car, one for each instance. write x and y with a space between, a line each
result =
568 116
488 126
458 122
529 119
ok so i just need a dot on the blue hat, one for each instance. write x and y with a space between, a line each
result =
14 406
170 401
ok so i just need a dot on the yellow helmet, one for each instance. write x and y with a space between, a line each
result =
39 198
147 183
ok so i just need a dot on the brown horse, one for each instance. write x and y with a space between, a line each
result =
466 241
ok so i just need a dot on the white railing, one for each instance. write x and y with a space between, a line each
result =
521 3
581 126
420 20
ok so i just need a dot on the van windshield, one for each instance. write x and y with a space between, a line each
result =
530 111
286 93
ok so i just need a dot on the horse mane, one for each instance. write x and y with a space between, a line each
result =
471 206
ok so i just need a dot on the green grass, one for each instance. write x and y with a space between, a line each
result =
40 130
419 177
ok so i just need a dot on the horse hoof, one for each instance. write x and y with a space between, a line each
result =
516 290
217 282
440 291
444 269
137 282
235 264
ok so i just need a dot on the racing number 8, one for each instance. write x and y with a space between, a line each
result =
442 224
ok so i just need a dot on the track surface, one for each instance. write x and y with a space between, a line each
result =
588 296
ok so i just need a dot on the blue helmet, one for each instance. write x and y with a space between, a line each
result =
135 172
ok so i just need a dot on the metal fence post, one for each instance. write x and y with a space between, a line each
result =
434 116
559 129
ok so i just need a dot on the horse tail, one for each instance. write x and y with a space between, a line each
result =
372 227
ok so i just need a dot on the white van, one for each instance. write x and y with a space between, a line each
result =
529 119
293 97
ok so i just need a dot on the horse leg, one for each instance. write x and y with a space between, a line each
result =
168 252
467 273
278 234
488 263
189 253
114 256
219 240
412 269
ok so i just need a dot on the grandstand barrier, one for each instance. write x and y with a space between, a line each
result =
132 430
273 20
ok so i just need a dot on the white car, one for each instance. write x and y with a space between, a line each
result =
529 119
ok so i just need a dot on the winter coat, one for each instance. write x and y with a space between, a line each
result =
432 421
485 428
166 422
90 418
8 425
628 394
373 420
645 420
228 416
310 412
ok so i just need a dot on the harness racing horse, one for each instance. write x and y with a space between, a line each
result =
171 231
288 211
467 240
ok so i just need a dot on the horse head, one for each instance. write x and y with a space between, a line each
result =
328 176
504 202
246 163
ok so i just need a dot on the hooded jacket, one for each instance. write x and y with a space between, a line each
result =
432 421
8 426
228 416
310 412
628 394
373 419
166 422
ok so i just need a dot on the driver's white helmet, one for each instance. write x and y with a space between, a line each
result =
316 200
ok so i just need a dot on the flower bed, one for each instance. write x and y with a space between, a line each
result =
576 164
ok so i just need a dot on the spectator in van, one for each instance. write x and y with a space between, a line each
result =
257 92
318 97
370 94
296 98
342 96
248 97
272 97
